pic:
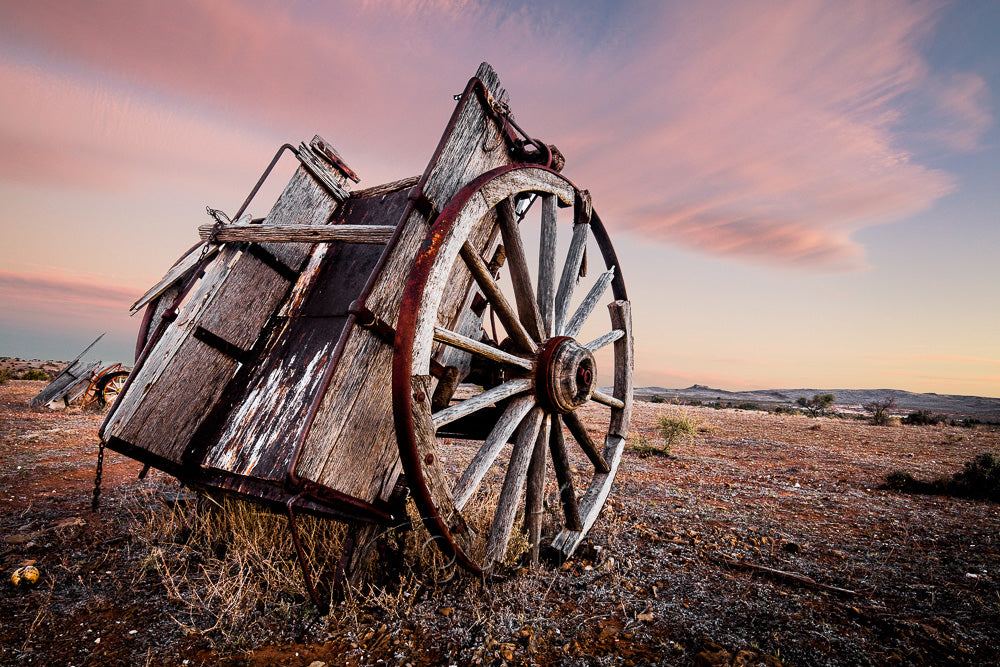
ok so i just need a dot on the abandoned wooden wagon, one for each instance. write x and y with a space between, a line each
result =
349 340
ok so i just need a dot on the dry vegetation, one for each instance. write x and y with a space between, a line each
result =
762 539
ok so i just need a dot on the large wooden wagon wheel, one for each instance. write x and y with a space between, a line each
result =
469 493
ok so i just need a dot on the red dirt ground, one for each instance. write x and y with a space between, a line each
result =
765 540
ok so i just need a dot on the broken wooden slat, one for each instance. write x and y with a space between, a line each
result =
178 273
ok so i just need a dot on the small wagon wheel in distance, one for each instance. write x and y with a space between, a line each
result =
109 387
470 495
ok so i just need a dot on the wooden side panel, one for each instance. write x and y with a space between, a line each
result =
270 400
352 446
183 377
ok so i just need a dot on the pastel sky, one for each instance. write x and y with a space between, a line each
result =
801 194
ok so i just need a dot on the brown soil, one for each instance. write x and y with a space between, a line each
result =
765 540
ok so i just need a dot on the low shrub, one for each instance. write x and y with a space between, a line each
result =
979 479
675 429
5 375
35 374
924 418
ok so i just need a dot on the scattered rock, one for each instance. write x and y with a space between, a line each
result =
25 577
791 547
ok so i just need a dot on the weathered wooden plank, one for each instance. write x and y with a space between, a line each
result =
547 264
162 354
487 454
274 395
593 501
482 400
435 479
513 483
245 302
621 318
589 302
354 422
69 384
587 444
183 377
607 400
604 340
491 290
564 475
517 263
570 274
178 273
534 494
482 349
374 234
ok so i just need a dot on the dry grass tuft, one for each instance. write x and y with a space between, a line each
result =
231 564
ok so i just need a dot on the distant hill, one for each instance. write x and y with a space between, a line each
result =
971 406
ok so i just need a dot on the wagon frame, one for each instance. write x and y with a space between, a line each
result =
314 359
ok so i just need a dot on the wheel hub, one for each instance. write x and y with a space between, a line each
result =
565 375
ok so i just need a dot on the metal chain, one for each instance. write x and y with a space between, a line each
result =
97 477
221 220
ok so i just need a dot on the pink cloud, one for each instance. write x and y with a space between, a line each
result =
767 133
52 292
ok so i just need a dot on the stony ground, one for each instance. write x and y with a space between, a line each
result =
765 540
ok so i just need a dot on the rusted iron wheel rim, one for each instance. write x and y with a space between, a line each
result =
548 375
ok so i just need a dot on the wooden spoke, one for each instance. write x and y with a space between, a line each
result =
564 476
482 349
607 400
571 271
492 292
589 302
513 483
482 400
517 263
604 340
534 495
488 453
547 264
588 446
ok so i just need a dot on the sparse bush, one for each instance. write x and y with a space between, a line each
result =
879 410
5 375
658 399
923 418
748 406
675 429
34 374
980 478
817 405
642 446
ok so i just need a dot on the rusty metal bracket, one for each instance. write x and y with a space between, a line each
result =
319 145
366 319
423 204
303 563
